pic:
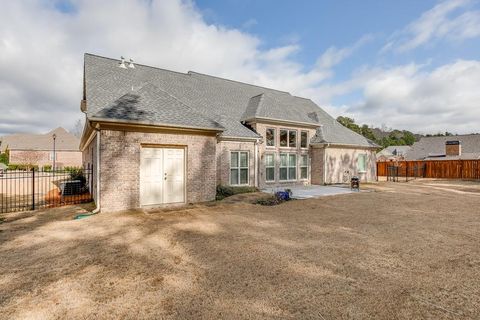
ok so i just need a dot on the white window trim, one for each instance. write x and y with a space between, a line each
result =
239 169
288 167
274 138
274 171
300 166
301 139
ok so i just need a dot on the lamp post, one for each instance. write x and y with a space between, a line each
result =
54 136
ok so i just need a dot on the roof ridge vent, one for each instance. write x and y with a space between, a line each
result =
131 65
122 63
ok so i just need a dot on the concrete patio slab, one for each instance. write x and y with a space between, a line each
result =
313 191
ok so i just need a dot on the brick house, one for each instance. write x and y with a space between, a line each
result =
37 149
157 137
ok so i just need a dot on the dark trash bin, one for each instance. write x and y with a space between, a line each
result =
355 183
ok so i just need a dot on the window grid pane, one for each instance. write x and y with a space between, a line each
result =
292 138
303 172
244 159
233 176
243 176
283 138
270 174
269 160
303 139
270 137
234 160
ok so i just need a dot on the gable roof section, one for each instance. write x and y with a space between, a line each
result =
280 107
151 105
434 147
64 141
331 131
394 150
204 101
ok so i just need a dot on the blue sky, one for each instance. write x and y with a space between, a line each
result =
396 64
318 25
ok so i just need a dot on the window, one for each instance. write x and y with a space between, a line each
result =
288 138
288 166
270 137
303 139
303 166
270 167
362 162
238 168
292 138
51 156
283 138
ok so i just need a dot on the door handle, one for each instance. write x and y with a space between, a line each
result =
165 176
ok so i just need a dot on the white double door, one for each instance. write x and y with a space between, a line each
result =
162 176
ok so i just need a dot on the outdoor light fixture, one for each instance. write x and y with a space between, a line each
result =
54 136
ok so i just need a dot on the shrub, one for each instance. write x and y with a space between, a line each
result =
23 167
47 168
4 158
275 199
72 169
77 174
227 191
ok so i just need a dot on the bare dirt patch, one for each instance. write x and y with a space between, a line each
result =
403 251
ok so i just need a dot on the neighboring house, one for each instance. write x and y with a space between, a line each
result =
158 137
37 149
393 153
3 167
460 147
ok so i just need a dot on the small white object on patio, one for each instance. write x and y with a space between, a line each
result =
314 191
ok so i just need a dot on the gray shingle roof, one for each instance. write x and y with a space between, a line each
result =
394 150
433 147
331 131
157 96
64 141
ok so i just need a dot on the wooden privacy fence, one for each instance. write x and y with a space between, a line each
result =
441 169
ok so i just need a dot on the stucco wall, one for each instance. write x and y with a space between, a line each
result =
339 160
120 166
276 150
41 158
223 160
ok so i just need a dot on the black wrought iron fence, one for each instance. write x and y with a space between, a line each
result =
22 190
407 172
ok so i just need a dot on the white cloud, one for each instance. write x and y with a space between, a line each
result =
447 20
407 97
41 54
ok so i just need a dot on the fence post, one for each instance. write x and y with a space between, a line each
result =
33 188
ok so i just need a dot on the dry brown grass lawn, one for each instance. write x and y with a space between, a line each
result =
403 251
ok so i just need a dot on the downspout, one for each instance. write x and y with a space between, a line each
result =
256 164
97 209
325 163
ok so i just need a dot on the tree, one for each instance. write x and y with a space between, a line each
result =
349 123
4 157
78 128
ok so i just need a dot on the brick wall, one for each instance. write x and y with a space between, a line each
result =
120 166
223 160
41 158
317 169
261 129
